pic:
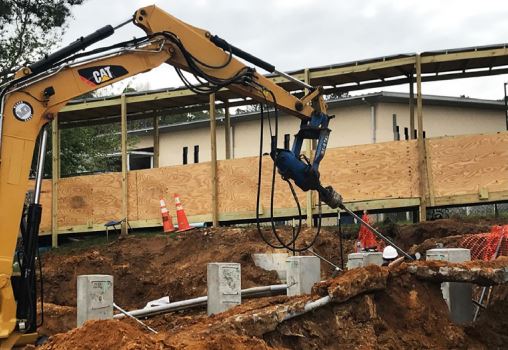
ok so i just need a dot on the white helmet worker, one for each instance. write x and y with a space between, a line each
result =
390 253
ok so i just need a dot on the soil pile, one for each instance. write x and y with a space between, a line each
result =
107 334
403 312
149 267
409 235
399 313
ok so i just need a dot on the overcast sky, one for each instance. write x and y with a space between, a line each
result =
294 34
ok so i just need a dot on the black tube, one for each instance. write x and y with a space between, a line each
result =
27 295
223 44
71 49
340 243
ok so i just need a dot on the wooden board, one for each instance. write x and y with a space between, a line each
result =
191 182
464 164
237 186
132 196
372 172
75 202
107 197
460 166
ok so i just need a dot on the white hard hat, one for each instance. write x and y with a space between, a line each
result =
389 252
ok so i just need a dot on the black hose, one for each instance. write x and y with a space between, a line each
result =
340 243
42 287
286 245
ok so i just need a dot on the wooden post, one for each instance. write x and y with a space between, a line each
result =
213 150
308 152
411 108
55 175
124 163
227 129
156 141
422 158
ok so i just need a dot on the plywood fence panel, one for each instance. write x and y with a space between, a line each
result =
75 202
132 196
459 165
465 164
191 182
237 187
107 197
375 171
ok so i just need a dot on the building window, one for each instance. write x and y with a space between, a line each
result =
196 154
406 134
396 133
141 158
185 153
287 138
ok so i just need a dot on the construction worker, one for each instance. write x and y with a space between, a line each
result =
391 256
366 239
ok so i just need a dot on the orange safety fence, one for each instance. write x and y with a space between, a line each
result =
487 246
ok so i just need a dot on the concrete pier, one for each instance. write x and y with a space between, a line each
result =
302 273
363 259
224 287
272 262
458 296
94 298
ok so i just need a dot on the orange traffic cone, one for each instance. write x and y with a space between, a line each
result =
183 224
167 221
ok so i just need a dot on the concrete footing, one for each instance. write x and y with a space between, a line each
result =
272 262
302 273
458 296
224 287
363 259
94 298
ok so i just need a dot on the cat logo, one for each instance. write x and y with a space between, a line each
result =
102 75
98 75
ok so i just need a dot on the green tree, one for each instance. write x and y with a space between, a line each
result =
29 29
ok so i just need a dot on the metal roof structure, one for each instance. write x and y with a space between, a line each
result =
338 78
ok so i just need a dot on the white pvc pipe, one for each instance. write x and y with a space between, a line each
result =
310 306
195 302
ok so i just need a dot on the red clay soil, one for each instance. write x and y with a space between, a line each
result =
409 235
57 319
107 334
149 267
406 314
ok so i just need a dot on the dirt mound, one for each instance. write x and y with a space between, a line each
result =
149 267
372 308
57 319
409 235
394 312
107 334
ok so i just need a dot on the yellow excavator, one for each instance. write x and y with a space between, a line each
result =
38 91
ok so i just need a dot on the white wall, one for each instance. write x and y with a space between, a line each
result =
439 120
352 125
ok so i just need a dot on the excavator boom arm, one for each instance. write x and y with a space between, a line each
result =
42 89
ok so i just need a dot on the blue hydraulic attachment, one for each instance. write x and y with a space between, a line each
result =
295 166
